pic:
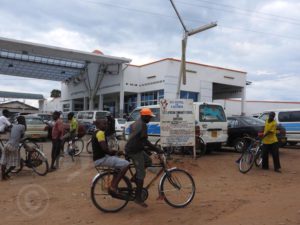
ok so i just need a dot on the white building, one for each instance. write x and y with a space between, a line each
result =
91 80
233 106
132 86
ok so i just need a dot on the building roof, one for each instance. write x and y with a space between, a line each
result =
16 105
6 94
26 59
188 62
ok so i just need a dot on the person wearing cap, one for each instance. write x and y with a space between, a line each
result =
135 149
4 122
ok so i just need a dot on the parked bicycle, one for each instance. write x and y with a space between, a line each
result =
176 187
32 157
252 155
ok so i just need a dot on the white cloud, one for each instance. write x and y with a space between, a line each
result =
283 88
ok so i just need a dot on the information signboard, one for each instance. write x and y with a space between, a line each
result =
177 122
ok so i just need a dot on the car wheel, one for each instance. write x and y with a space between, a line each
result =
239 145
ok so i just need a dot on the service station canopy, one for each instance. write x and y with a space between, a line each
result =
25 59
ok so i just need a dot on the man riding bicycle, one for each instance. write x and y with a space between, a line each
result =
103 156
135 149
71 135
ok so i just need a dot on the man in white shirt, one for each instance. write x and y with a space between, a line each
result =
4 122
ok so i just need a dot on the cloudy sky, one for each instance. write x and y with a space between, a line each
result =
261 37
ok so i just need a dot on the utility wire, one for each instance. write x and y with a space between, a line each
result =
191 20
249 11
245 13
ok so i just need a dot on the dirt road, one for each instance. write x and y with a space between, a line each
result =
224 196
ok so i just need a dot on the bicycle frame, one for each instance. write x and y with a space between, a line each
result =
162 164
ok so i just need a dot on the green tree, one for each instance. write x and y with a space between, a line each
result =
55 93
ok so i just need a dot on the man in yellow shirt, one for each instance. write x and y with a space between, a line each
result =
103 156
270 144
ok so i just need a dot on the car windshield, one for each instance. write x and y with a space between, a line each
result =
253 121
33 120
45 117
121 121
211 113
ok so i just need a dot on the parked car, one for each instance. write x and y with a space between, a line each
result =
241 126
46 117
36 128
120 124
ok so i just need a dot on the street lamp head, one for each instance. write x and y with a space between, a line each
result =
202 28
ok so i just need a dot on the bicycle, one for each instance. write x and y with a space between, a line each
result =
252 155
34 158
172 185
112 143
73 148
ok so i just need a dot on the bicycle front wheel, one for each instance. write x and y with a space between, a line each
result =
100 196
178 188
246 161
79 145
38 162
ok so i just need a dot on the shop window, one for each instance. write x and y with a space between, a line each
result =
189 95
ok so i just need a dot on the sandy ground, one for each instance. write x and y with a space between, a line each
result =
223 196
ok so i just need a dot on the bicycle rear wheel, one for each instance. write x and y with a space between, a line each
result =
100 196
89 147
178 188
24 154
246 161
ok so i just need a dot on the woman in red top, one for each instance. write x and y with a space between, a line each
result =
57 136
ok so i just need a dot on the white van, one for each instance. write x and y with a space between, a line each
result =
290 120
212 123
88 117
210 119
